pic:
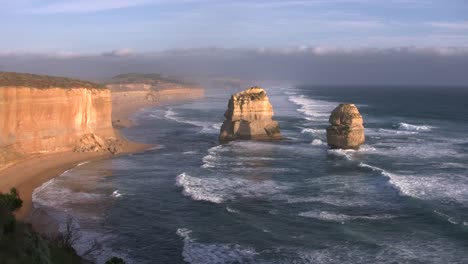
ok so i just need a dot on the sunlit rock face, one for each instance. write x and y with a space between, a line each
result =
52 119
249 116
346 130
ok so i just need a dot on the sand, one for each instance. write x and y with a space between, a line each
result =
30 173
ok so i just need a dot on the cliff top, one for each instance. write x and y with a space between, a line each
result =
42 81
146 78
253 93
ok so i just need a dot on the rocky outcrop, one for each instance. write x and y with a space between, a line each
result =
346 130
249 116
51 119
94 143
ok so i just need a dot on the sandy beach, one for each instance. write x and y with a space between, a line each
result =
30 173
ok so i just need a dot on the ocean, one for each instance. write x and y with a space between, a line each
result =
401 198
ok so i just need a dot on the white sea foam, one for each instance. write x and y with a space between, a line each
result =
314 110
410 127
449 218
229 209
324 198
317 142
336 217
218 190
197 189
210 160
189 152
116 194
431 187
313 131
52 194
391 132
201 253
207 127
347 153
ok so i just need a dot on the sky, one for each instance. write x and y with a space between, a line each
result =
155 25
70 37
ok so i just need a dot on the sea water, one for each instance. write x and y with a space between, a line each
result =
401 198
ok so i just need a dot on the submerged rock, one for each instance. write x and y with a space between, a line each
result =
346 130
249 116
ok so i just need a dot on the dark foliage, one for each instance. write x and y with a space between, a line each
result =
42 81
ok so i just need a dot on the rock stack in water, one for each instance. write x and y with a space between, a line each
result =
249 116
346 130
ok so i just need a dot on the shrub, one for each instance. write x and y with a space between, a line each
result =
11 201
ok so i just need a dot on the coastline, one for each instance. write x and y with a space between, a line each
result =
30 173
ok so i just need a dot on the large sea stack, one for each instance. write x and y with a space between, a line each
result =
346 130
249 116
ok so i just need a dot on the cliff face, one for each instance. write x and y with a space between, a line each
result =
249 116
44 120
346 130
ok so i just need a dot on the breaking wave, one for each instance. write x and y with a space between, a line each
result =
333 217
218 190
410 127
200 253
314 110
445 187
207 127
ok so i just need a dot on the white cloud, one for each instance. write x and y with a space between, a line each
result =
462 25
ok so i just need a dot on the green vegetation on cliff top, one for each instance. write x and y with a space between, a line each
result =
43 81
146 78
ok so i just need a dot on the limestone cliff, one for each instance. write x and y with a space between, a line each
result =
346 130
249 116
44 117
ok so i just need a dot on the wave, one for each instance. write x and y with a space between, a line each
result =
444 187
116 194
218 190
317 142
197 188
394 132
347 153
314 110
410 127
313 131
229 209
333 217
201 253
53 195
207 127
324 198
210 160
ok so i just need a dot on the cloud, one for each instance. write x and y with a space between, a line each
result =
118 53
301 64
461 25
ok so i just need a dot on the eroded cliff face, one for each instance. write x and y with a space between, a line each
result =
249 116
53 119
347 129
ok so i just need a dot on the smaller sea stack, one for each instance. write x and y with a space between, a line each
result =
346 130
249 116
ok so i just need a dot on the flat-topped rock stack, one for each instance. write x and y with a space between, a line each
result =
249 116
346 130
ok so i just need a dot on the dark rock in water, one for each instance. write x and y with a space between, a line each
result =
346 130
249 116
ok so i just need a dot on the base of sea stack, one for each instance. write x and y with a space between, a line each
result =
339 138
245 130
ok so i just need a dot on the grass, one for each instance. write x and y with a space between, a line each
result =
43 81
146 78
